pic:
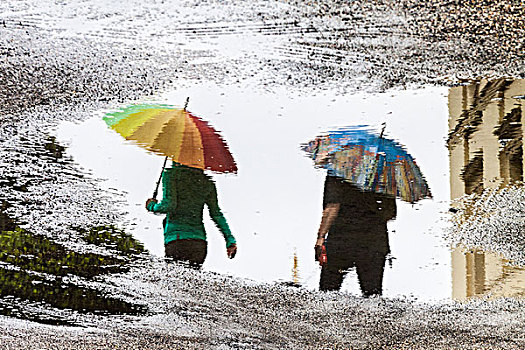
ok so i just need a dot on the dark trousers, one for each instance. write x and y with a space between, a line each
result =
341 256
191 251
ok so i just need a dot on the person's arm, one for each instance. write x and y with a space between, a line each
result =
169 196
329 214
220 221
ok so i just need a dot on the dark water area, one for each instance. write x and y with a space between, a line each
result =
37 270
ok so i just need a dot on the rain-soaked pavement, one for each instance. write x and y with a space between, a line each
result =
81 261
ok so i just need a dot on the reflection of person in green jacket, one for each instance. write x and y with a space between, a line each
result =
185 192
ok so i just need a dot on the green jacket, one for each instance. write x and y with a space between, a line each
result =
185 192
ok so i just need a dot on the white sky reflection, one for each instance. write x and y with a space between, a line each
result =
273 205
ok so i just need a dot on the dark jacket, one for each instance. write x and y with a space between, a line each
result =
362 217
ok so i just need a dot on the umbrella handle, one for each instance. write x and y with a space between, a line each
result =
160 178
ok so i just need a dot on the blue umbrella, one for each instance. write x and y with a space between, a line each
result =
369 161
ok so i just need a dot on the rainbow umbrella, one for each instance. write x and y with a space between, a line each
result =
174 133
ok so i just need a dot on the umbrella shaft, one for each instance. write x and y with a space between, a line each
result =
160 178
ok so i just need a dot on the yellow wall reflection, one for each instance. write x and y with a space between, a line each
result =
477 273
486 152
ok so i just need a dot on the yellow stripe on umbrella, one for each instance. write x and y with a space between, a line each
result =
169 138
148 132
128 126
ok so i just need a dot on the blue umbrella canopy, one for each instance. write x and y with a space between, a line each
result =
369 161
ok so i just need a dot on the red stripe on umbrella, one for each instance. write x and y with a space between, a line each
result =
220 159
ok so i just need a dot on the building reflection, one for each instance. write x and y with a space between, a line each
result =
486 152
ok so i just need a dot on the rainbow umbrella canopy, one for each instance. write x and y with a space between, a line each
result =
370 162
174 133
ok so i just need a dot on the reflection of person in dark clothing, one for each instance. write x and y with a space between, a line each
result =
357 235
185 192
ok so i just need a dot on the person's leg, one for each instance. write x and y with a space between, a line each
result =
171 250
197 251
192 251
331 277
337 265
370 270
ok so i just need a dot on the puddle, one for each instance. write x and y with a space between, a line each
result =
274 203
476 273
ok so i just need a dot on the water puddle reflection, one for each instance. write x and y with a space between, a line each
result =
476 273
275 203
